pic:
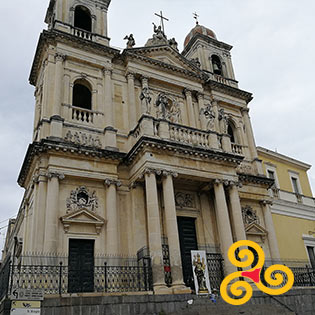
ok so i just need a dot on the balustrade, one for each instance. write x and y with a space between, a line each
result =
82 33
237 148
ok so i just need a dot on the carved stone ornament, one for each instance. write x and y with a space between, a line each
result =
146 99
209 115
196 62
168 108
184 200
82 199
173 43
81 138
249 215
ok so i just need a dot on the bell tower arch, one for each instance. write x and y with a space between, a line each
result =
85 18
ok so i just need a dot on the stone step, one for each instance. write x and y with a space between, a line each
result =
219 309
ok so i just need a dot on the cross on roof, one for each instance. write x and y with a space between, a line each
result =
196 16
162 20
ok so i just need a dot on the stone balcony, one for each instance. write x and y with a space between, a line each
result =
166 130
288 196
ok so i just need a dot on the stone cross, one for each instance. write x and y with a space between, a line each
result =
162 20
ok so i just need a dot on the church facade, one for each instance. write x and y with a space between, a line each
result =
135 151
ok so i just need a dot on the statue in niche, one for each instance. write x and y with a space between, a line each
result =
173 43
130 41
209 115
163 105
224 121
146 99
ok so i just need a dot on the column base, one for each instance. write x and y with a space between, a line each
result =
180 289
160 289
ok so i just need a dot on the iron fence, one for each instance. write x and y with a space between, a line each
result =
215 269
60 279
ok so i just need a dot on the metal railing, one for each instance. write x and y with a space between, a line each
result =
62 279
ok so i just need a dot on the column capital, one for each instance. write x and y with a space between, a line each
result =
200 95
54 174
144 79
235 184
130 75
110 181
266 202
187 92
107 71
245 110
166 173
135 184
60 57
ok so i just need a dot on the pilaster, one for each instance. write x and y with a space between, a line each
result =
131 101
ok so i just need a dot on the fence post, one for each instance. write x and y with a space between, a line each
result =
145 275
105 275
139 278
60 278
310 275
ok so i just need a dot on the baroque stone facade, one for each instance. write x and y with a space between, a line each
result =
130 144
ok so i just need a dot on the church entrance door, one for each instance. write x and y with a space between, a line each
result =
188 242
81 266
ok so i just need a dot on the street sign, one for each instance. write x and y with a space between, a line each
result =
25 308
28 294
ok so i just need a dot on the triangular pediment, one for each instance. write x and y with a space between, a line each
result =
83 216
166 56
255 229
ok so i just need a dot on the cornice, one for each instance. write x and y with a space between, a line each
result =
54 36
47 145
207 39
223 88
182 149
195 72
256 179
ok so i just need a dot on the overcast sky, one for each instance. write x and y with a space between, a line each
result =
273 58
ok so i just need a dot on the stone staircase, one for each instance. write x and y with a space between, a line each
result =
221 308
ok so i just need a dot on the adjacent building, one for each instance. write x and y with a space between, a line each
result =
293 208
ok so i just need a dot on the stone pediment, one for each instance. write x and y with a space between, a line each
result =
83 217
256 229
167 57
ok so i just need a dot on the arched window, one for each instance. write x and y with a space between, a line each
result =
231 133
82 18
216 65
82 95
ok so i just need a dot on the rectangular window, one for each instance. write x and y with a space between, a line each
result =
295 185
311 255
271 174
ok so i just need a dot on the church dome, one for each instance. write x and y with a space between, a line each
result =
199 29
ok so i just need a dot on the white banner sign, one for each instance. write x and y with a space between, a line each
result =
25 311
200 272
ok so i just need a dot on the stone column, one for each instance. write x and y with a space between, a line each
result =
112 237
272 238
55 120
201 105
52 213
154 231
39 220
251 141
109 111
178 285
191 114
236 208
224 226
131 101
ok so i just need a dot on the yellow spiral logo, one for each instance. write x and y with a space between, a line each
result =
238 292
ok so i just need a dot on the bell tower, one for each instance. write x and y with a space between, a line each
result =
87 19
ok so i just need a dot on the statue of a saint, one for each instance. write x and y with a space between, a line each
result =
158 32
146 99
130 41
199 271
